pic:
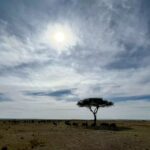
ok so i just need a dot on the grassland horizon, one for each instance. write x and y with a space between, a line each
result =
47 134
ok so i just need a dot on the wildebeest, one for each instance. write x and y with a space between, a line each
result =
105 124
75 124
92 125
113 126
85 124
54 123
67 123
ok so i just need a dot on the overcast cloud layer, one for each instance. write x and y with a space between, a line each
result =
108 56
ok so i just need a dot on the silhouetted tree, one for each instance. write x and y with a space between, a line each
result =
94 104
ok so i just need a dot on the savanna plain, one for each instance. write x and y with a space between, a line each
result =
74 135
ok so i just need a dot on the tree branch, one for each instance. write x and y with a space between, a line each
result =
96 109
91 109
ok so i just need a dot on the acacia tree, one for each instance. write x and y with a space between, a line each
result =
94 104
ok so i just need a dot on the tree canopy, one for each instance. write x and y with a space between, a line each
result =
97 102
94 104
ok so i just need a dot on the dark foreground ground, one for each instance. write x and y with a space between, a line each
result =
56 135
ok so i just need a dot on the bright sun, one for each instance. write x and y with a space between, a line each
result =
59 37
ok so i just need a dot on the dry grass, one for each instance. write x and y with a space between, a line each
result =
132 135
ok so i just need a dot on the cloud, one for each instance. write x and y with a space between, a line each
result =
64 94
4 97
127 110
126 98
110 57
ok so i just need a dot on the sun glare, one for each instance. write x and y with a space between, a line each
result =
60 37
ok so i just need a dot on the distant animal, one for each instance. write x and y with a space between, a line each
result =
113 125
92 125
54 123
105 124
67 123
75 124
14 121
85 124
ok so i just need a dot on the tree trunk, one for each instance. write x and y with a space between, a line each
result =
94 119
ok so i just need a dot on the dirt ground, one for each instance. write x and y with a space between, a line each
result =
58 135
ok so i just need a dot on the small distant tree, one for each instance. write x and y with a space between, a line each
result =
94 104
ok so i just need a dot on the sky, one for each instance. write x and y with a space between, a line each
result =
54 53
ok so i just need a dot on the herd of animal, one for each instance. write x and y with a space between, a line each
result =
85 124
